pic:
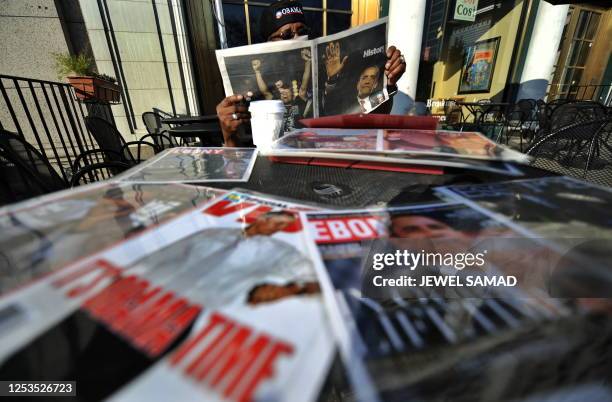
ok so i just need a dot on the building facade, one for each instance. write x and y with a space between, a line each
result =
162 51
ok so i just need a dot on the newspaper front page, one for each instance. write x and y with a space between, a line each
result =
337 74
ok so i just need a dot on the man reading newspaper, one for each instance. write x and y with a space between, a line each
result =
284 20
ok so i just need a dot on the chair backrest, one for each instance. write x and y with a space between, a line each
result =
572 112
162 113
578 131
572 149
152 122
24 171
528 107
105 134
154 125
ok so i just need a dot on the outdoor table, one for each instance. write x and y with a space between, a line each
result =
479 110
345 187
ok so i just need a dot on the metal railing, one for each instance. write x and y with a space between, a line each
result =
48 115
601 93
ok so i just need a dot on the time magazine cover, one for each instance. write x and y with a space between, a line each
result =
336 74
406 341
194 165
212 305
49 232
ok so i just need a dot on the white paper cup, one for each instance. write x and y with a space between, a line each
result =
266 121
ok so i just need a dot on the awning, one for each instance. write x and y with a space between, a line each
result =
598 3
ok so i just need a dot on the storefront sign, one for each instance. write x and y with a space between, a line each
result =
465 10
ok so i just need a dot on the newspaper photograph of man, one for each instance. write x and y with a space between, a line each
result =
284 75
351 71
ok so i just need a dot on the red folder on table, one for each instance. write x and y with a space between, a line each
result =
357 164
377 121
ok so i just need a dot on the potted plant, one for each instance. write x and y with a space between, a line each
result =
88 84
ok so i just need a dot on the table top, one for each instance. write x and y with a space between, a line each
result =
190 119
358 187
195 129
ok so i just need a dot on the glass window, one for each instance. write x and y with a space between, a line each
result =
312 3
339 4
593 24
584 53
236 23
255 15
314 20
574 52
337 22
582 24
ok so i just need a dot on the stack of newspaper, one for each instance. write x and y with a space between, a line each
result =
397 149
174 292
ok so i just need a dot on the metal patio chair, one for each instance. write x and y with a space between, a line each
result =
574 147
154 125
114 148
24 172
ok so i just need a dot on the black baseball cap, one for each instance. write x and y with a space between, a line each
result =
278 14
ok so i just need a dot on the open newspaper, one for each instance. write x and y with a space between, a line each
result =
194 165
337 74
470 150
219 304
49 232
439 311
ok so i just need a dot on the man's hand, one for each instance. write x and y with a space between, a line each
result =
395 67
306 55
232 115
333 65
256 64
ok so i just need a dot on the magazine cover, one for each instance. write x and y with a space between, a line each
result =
337 74
194 165
49 232
209 306
411 306
573 214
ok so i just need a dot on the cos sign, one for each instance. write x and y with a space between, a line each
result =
465 10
